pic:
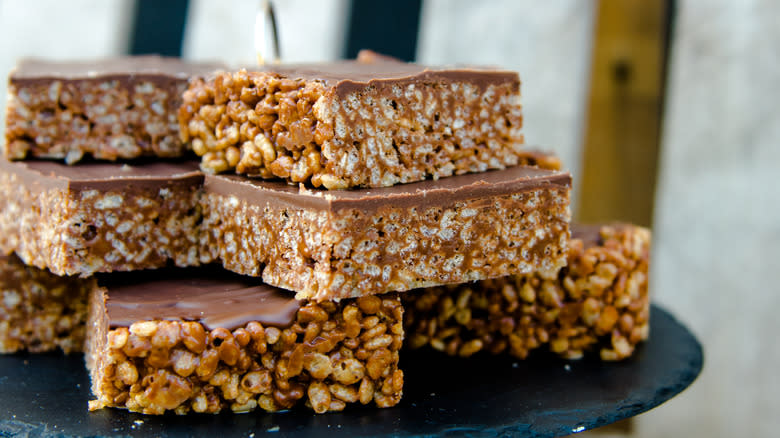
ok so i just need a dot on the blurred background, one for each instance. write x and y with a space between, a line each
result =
664 111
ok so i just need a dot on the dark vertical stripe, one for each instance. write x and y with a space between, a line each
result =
670 22
386 26
158 27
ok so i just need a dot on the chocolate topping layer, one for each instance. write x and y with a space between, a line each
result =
104 176
213 297
420 194
108 176
590 234
151 68
349 76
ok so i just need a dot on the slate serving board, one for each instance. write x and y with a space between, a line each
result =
46 395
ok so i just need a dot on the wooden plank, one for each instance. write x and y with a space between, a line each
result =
716 242
620 155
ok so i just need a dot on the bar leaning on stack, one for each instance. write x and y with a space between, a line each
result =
599 301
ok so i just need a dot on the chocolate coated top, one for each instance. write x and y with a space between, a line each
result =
348 76
444 191
130 68
103 176
590 234
211 296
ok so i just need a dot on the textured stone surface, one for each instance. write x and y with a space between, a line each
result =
540 397
717 234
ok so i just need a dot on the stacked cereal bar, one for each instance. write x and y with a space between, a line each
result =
115 109
345 244
599 300
96 217
355 124
40 311
100 217
209 340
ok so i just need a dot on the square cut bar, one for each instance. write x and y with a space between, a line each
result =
109 109
40 311
346 243
99 217
355 123
599 301
193 341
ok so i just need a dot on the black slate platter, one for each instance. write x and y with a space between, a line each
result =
46 395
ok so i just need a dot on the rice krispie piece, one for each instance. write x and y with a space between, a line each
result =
40 311
96 217
599 301
366 123
108 109
206 341
327 245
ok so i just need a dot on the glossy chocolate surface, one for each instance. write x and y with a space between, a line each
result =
211 296
590 234
104 176
156 69
354 75
444 191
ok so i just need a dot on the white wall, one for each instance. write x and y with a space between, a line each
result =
716 260
224 30
549 43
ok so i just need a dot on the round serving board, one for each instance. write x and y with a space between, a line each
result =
46 395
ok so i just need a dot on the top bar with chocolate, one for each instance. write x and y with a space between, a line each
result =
109 109
372 122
